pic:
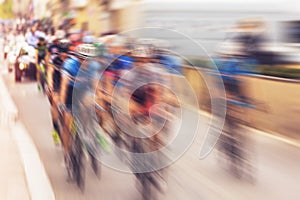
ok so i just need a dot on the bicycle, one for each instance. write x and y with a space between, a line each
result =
233 142
42 78
90 137
72 147
153 181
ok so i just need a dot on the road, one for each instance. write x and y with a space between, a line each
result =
276 171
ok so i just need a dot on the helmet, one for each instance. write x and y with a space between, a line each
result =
141 51
64 45
89 50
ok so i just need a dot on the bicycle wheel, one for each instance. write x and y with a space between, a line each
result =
43 82
150 187
69 167
146 189
96 166
78 165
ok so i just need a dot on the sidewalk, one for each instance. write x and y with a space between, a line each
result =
13 184
22 174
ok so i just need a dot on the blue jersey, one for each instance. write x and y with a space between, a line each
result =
119 62
87 75
71 67
123 63
171 63
228 68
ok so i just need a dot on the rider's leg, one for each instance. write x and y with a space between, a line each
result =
38 75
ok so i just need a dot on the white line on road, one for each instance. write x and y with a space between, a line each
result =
37 179
276 137
268 134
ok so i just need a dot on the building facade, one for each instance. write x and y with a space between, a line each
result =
97 16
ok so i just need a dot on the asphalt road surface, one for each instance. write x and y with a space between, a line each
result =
276 164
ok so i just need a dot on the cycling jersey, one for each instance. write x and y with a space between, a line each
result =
87 75
229 69
71 67
171 63
144 75
122 63
42 52
118 65
57 62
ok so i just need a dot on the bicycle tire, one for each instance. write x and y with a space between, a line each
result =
78 166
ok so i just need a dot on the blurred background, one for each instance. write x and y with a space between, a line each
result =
259 39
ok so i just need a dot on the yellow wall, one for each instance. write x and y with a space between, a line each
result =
280 99
90 14
122 19
127 18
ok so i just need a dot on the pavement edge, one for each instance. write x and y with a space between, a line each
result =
37 180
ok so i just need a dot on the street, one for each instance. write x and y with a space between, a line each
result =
276 163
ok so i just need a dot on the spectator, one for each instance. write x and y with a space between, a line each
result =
31 37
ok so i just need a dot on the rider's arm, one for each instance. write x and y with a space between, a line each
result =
47 57
64 87
50 71
64 81
36 57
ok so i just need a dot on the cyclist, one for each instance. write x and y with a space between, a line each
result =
117 57
31 37
54 83
172 65
86 81
117 62
232 141
73 152
150 77
69 71
41 62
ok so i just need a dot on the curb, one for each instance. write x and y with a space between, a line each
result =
37 179
39 186
9 112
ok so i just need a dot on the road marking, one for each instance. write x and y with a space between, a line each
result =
268 134
37 179
276 137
